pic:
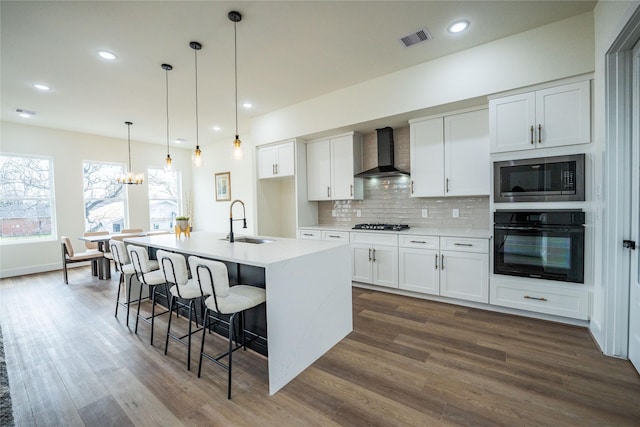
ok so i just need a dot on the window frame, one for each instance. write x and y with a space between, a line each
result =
125 197
52 202
179 200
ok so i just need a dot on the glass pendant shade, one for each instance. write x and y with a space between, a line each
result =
130 177
196 157
238 154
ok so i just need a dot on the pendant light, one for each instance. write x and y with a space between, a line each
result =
236 17
130 177
196 158
167 68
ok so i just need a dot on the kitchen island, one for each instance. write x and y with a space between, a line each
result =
308 286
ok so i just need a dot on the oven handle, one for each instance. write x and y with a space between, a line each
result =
540 228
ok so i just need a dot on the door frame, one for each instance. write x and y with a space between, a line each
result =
617 181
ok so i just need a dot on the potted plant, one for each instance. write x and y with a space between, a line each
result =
182 222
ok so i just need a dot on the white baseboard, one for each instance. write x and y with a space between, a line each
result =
24 271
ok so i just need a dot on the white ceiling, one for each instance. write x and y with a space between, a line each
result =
288 51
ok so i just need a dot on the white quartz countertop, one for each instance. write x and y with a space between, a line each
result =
214 245
419 231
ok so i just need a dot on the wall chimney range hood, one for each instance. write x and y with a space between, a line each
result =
385 166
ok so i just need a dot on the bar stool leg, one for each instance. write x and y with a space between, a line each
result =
128 298
166 343
138 312
204 334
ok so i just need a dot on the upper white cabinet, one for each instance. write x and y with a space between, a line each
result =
275 161
450 155
545 118
331 166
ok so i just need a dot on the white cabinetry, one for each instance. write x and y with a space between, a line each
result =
464 269
450 155
276 161
534 295
546 118
419 264
310 234
331 166
448 266
375 258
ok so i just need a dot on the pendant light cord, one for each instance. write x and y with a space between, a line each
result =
129 143
197 124
235 54
166 73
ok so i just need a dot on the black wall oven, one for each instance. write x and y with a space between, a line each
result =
540 244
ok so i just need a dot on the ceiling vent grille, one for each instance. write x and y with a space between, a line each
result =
417 37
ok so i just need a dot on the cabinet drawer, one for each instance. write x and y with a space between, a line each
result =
573 303
413 241
310 234
463 244
335 235
375 238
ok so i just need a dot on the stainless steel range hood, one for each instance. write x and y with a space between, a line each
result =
385 166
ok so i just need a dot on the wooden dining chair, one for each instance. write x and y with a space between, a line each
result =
69 256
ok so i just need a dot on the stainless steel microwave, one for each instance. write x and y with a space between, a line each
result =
543 179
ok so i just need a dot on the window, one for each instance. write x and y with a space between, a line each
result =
105 199
164 197
26 198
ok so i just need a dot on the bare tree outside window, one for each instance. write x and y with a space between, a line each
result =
104 198
26 198
164 197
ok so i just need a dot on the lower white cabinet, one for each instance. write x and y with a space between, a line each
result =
447 266
375 258
309 234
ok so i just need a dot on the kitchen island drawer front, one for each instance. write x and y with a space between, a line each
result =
336 235
413 241
463 244
572 303
375 238
310 234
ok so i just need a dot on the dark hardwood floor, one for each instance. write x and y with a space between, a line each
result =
407 362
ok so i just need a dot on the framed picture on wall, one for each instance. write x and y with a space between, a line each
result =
223 186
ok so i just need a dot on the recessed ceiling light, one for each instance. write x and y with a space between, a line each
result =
217 128
41 86
25 113
247 105
180 140
105 54
458 26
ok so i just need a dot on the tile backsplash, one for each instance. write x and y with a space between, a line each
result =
388 199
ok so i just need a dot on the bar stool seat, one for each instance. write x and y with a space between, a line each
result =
183 292
225 300
149 277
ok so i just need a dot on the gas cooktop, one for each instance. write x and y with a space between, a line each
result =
381 227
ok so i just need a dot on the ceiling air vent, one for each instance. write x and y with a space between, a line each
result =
417 37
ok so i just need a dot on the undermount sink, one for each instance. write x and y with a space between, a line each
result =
252 240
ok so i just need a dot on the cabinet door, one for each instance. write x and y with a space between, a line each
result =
466 154
385 266
564 115
419 270
427 158
511 122
342 181
266 162
464 275
361 257
319 170
285 165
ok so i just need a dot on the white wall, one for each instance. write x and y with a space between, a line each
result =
551 52
609 19
212 215
69 150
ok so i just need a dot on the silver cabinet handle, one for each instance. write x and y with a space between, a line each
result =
328 192
374 255
539 134
418 241
470 245
447 189
369 254
441 262
436 261
411 186
275 166
351 190
307 234
532 140
333 236
535 298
